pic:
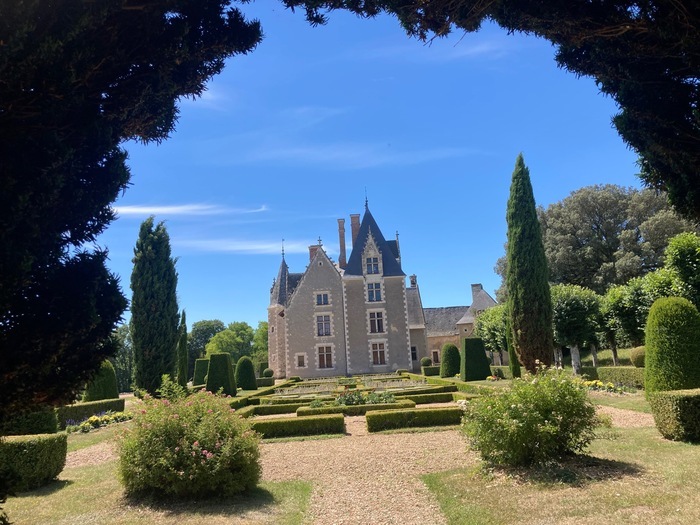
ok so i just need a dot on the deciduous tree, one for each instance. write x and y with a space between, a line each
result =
199 336
154 312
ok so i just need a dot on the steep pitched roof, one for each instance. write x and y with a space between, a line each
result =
284 285
481 300
443 321
414 307
369 226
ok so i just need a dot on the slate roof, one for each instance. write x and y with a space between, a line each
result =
284 285
443 321
390 265
480 302
394 247
414 306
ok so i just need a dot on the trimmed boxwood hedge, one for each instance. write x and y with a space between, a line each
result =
417 417
677 414
354 410
300 426
428 389
81 411
622 375
42 421
456 383
433 370
221 374
201 367
463 396
30 462
103 385
421 399
590 372
475 365
265 381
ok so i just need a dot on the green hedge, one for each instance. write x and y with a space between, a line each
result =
201 367
81 411
591 372
288 400
265 381
475 365
354 410
246 411
417 417
504 372
103 385
421 399
300 426
433 370
428 389
29 462
42 421
261 368
463 396
622 375
452 383
677 414
221 374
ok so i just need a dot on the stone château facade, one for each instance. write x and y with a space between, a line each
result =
355 316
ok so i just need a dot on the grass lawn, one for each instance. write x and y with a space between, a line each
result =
636 402
637 478
93 494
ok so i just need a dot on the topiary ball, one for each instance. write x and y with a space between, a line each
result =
637 356
672 357
426 361
268 372
245 374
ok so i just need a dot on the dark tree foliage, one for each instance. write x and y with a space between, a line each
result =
199 336
123 360
154 313
76 80
182 354
529 301
644 54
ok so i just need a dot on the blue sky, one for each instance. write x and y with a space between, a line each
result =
290 137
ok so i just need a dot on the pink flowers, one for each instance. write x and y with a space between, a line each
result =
195 444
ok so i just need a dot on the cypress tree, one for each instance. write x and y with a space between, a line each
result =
154 312
182 353
513 363
529 301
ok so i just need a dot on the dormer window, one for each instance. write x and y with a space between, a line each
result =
321 299
372 265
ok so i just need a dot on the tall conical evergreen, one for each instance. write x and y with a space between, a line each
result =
182 353
154 312
513 363
529 301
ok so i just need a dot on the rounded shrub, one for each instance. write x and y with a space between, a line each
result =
245 374
637 356
220 374
268 372
539 418
672 358
104 385
426 361
450 360
30 462
193 447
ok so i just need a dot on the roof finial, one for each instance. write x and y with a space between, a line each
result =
283 249
366 202
319 241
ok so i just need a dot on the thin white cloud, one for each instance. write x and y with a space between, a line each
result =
342 156
244 247
183 209
439 51
213 98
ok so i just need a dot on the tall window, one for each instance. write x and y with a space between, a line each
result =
372 265
323 324
374 292
321 298
301 361
378 354
376 322
414 353
325 359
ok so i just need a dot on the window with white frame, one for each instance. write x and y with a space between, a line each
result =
376 322
378 354
322 299
372 265
374 292
325 357
323 325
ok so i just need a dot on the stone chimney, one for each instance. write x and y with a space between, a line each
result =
414 281
312 251
342 259
476 288
354 227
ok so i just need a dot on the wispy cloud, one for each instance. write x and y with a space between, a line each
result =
184 209
245 247
213 98
439 51
341 156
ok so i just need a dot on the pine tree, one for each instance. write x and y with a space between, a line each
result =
182 353
154 312
529 301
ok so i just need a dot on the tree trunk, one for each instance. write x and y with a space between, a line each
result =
594 355
616 361
558 357
576 360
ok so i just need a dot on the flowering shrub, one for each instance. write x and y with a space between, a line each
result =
598 386
189 447
539 418
97 421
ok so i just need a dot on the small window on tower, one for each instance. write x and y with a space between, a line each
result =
372 265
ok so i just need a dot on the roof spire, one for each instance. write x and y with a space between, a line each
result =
366 202
283 249
319 241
